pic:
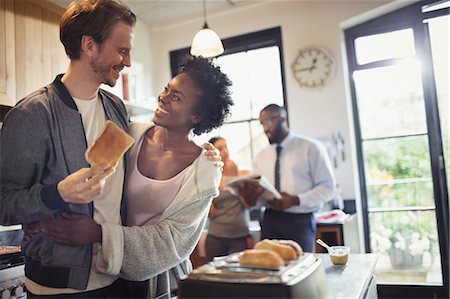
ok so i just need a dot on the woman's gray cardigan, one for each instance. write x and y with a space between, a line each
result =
142 252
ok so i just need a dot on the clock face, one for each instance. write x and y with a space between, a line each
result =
313 67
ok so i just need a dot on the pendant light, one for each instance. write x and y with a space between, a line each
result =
206 43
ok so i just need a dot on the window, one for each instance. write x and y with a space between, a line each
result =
253 62
399 70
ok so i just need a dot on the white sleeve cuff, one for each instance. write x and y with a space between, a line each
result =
110 256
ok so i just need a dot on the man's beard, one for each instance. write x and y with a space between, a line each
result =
276 136
102 71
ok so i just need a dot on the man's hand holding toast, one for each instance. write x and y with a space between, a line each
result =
84 185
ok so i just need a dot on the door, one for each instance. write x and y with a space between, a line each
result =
399 68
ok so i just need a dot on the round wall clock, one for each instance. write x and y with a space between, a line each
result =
313 67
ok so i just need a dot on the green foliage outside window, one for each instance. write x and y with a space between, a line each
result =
398 176
398 172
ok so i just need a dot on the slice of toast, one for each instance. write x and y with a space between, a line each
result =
109 146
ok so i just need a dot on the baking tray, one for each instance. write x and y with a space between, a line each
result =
228 269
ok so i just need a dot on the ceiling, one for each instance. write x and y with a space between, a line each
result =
158 13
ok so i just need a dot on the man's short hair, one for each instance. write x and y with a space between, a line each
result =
95 18
275 108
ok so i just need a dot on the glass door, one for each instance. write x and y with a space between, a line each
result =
399 70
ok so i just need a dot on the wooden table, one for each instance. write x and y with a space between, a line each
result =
355 279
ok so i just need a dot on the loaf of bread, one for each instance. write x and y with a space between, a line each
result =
286 250
109 146
261 258
298 249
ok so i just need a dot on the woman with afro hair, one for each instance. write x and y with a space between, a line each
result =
169 186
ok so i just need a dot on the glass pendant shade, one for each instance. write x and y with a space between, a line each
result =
206 43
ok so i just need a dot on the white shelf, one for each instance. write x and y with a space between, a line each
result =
135 110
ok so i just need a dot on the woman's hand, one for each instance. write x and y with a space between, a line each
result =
71 229
212 212
213 154
243 202
249 193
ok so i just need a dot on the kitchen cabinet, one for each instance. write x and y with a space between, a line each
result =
7 69
31 54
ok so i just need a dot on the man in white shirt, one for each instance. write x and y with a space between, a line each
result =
303 175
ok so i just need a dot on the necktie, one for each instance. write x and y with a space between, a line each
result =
277 168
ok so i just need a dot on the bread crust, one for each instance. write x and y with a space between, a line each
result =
261 258
284 249
298 249
109 146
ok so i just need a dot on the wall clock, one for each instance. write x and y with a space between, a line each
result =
313 67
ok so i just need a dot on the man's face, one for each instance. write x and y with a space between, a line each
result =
113 54
272 125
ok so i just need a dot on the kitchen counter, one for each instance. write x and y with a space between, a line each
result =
353 280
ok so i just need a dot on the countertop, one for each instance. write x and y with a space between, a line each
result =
351 280
355 280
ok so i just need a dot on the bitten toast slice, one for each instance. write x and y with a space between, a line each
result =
109 146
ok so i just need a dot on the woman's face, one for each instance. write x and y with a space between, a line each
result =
176 104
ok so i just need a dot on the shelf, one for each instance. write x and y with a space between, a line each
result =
135 110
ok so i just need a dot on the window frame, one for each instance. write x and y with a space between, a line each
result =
243 43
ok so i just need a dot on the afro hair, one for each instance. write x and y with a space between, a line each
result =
214 103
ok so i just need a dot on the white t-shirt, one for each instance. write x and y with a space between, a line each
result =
106 205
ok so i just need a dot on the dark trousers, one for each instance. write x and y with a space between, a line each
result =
119 289
216 246
289 226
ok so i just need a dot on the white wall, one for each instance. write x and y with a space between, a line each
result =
141 66
317 113
141 54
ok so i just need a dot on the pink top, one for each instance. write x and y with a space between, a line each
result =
148 198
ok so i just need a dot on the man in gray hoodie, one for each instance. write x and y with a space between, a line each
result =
44 137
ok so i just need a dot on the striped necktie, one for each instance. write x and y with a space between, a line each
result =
277 168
